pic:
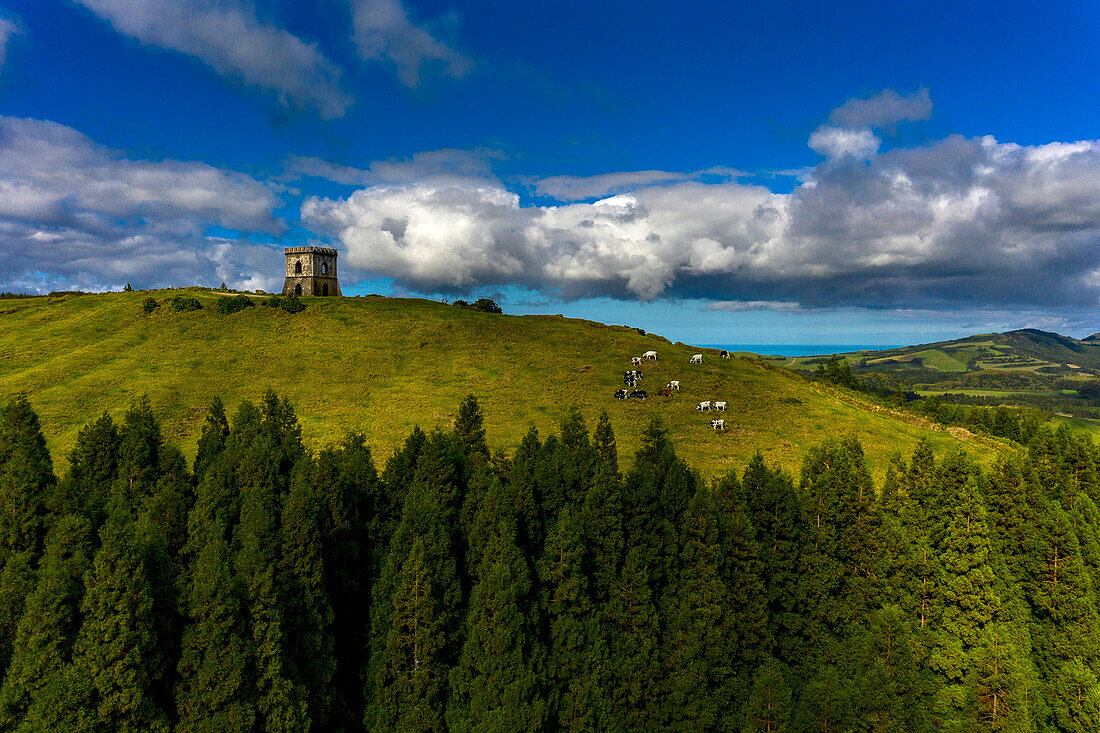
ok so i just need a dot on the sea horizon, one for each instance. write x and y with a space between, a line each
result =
802 349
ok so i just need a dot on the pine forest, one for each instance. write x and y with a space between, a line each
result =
555 586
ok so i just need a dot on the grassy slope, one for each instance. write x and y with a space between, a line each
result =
381 366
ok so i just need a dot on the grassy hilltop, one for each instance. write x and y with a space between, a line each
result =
382 365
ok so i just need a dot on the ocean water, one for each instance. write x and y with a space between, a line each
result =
801 349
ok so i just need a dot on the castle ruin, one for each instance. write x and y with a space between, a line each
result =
310 271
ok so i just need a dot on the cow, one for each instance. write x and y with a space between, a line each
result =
703 406
636 360
673 385
665 393
638 394
718 424
620 394
724 354
650 355
720 406
696 359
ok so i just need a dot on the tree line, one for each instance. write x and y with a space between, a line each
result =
552 587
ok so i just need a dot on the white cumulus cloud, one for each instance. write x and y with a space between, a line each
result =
883 110
76 214
955 221
383 31
837 142
228 36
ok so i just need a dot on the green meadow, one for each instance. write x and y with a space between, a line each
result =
381 366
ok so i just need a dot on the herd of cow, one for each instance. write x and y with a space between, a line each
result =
632 377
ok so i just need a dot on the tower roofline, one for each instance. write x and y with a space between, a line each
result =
305 250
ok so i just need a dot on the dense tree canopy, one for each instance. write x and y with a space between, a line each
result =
266 587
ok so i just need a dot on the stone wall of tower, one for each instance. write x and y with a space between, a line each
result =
311 271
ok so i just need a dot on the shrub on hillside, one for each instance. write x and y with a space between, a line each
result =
185 303
232 304
149 305
485 305
290 304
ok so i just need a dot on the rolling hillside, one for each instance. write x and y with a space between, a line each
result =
1024 367
382 365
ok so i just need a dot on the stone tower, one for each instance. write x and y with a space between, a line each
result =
310 271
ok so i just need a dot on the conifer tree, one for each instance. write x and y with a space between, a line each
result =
281 702
397 477
999 688
704 690
768 709
601 518
470 427
495 686
410 684
44 639
215 432
138 453
217 688
356 530
776 513
889 691
428 520
26 478
634 667
824 701
309 614
116 654
93 467
524 494
1076 687
572 659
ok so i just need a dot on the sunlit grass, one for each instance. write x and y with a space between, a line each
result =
382 365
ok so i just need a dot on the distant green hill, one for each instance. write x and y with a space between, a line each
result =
382 365
1027 366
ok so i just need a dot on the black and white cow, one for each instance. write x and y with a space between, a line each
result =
620 394
724 354
703 406
650 355
718 424
673 385
721 406
696 359
636 360
638 394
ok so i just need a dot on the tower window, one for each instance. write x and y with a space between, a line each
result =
298 267
324 268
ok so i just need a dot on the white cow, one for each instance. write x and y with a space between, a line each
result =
673 385
696 359
650 355
703 406
636 360
720 406
718 424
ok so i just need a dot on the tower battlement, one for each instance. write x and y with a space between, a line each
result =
311 271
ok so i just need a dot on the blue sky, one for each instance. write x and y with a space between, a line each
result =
785 172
